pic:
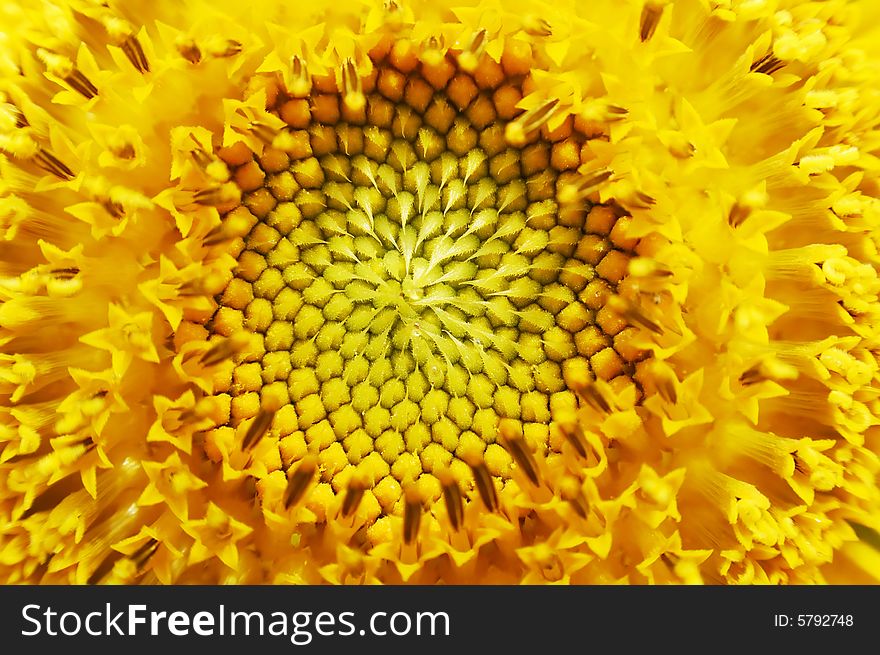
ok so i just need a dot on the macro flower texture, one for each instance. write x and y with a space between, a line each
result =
439 292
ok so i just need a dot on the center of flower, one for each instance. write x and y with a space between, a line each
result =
416 275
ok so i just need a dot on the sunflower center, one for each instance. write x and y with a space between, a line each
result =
415 279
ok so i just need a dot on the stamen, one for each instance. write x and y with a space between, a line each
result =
536 26
221 48
768 64
299 481
453 498
575 436
433 50
64 69
484 484
356 487
225 349
591 392
301 85
143 554
633 313
516 446
570 490
220 194
651 14
516 132
188 49
469 58
577 192
353 95
258 428
122 35
412 515
51 164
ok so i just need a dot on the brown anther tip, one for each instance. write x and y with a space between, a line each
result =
301 84
225 349
570 490
651 14
485 487
738 214
353 495
633 313
536 26
229 48
142 555
189 50
573 433
412 515
258 428
521 454
646 267
454 503
299 480
81 84
51 164
135 53
591 394
768 64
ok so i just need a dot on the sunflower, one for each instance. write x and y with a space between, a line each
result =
429 292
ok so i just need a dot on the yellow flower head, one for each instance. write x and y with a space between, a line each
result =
417 291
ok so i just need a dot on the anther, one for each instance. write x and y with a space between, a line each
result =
352 89
769 368
15 113
573 193
64 69
394 13
225 349
219 194
258 427
220 234
452 497
645 267
651 14
591 394
354 494
469 58
536 26
188 49
301 84
221 48
142 555
519 450
638 199
210 285
433 50
483 482
299 481
65 273
122 35
516 132
748 202
412 515
570 490
738 214
602 111
768 64
265 133
575 436
51 164
633 314
211 165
